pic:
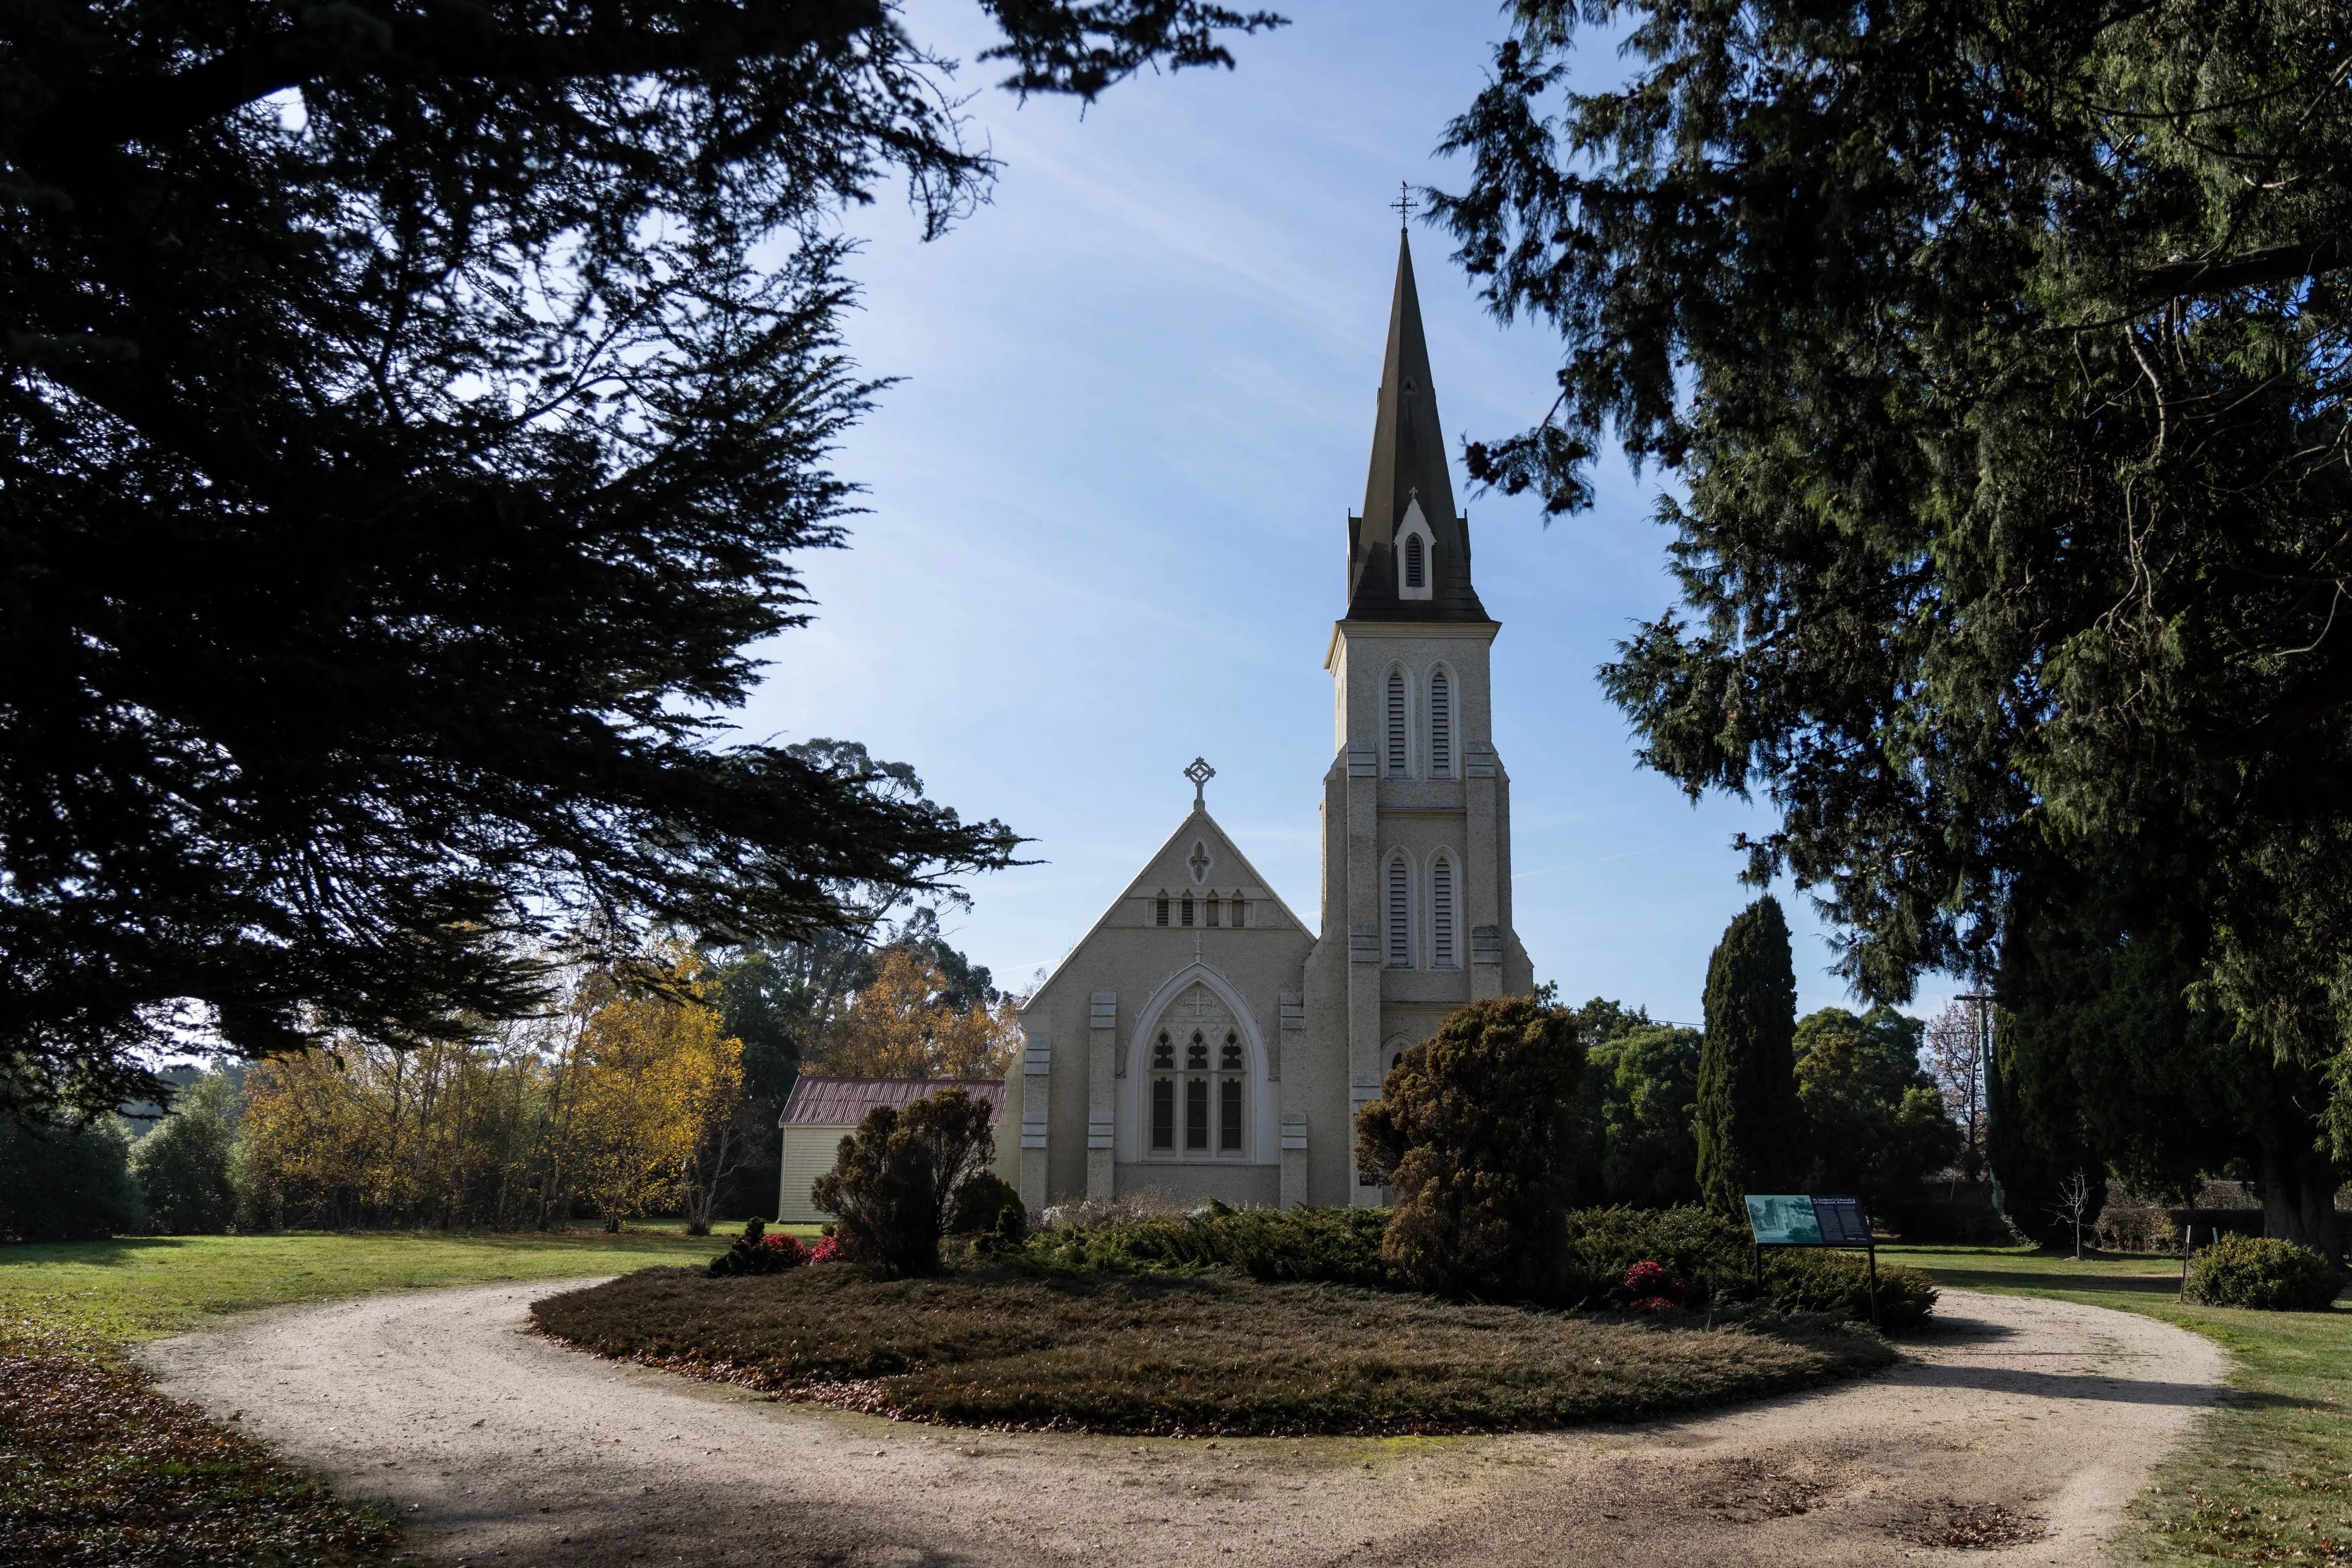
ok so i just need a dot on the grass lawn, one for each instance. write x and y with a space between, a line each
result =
1191 1354
97 1467
2266 1478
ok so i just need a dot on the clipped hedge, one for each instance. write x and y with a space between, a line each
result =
2264 1273
1339 1246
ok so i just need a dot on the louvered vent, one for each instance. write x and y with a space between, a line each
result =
1399 917
1441 901
1441 727
1396 724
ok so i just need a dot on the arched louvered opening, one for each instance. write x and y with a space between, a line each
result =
1441 726
1416 565
1396 724
1441 913
1399 915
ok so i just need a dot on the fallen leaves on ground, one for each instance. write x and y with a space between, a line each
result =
100 1470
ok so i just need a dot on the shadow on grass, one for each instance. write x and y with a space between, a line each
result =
113 1250
2016 1280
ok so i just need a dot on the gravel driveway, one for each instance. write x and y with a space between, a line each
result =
2021 1425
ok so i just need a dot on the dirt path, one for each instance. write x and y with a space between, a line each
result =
496 1446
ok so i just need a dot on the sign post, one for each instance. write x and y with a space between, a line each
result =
1803 1219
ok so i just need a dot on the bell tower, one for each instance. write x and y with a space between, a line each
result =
1416 808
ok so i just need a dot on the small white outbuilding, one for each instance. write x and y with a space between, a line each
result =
822 1111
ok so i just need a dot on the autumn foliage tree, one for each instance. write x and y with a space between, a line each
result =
905 1024
656 1078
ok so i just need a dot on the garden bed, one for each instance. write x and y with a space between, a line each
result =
1211 1354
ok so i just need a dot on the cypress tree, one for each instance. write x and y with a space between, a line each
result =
1749 1120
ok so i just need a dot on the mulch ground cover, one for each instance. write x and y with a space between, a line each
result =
98 1468
1198 1354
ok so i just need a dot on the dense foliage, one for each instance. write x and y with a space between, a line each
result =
900 1175
1997 356
1341 1246
1473 1134
1713 1258
405 447
1875 1121
2266 1273
615 1102
1640 1092
1750 1128
66 1181
184 1165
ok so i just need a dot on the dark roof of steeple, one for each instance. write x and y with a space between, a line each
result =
1408 464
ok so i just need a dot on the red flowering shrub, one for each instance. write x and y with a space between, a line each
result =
1649 1288
828 1250
756 1252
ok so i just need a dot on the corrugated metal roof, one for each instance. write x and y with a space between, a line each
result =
844 1102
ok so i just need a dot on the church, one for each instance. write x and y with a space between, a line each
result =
1203 1040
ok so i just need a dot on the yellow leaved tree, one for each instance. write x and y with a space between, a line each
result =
896 1027
653 1076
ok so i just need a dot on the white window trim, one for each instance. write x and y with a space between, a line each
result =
1416 523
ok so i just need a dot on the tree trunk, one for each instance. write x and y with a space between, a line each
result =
2299 1200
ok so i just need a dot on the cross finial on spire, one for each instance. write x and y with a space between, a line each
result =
1402 205
1199 773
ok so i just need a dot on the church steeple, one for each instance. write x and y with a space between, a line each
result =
1409 554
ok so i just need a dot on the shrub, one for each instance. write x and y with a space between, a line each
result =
183 1166
1717 1260
1337 1246
899 1176
1710 1253
1649 1288
1473 1134
1809 1281
2264 1274
988 1208
756 1252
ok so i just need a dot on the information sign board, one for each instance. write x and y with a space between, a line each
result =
1783 1220
1802 1219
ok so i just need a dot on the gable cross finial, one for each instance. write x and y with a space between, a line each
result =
1402 205
1199 773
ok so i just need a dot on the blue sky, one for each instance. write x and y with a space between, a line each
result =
1108 506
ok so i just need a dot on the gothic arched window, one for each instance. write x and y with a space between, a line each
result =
1399 915
1159 912
1441 726
1396 724
1188 909
1196 1055
1163 1055
1230 1059
1441 913
1415 576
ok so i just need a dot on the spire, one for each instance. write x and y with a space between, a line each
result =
1408 474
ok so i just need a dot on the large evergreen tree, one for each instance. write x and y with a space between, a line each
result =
410 415
1750 1128
1999 355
